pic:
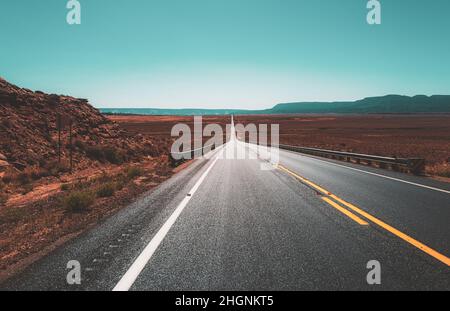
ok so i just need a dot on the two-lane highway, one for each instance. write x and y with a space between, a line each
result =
225 224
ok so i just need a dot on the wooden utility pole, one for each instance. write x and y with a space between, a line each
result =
70 144
58 121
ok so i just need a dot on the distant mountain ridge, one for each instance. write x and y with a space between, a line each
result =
382 104
395 104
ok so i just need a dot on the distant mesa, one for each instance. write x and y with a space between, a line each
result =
390 104
383 104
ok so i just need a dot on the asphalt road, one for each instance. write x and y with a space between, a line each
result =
227 224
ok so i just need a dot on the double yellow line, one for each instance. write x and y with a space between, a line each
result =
333 200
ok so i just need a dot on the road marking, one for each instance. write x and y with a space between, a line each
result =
325 192
306 181
379 175
346 212
139 264
396 232
375 220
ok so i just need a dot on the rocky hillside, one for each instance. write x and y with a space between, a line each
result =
29 132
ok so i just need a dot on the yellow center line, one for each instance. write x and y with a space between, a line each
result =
306 181
346 212
396 232
375 220
325 192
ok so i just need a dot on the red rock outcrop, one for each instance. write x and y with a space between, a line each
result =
29 131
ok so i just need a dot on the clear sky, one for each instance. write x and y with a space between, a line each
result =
225 53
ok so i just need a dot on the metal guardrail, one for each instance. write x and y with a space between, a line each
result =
407 165
410 165
189 154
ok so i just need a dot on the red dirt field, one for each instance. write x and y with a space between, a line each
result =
161 126
423 136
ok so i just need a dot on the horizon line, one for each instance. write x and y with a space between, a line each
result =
279 103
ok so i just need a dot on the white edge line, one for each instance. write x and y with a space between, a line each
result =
375 174
139 264
370 173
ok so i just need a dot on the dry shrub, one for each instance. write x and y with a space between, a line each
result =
121 182
25 177
106 190
36 173
13 215
113 155
56 168
440 169
133 172
9 177
21 178
95 153
110 154
78 201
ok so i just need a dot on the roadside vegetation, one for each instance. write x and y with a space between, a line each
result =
78 201
440 169
76 204
104 154
106 190
81 196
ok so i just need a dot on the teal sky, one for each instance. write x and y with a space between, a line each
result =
225 53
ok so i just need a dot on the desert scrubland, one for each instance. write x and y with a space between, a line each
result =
118 157
423 136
